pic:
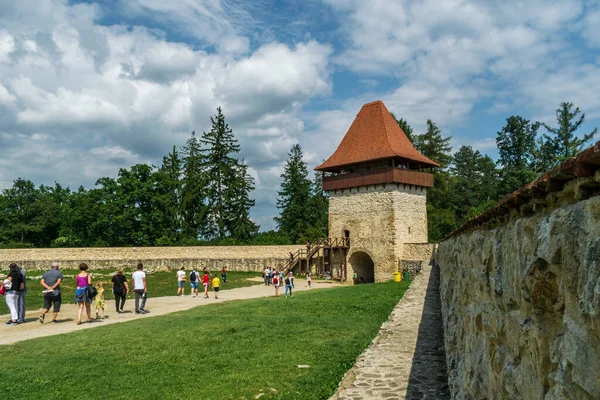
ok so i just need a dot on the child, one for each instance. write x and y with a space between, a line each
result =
276 284
216 283
100 301
308 278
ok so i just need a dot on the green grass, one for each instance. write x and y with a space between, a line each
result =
231 350
159 284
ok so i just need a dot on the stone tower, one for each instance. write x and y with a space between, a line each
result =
377 194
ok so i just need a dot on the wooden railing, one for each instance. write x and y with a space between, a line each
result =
376 177
307 254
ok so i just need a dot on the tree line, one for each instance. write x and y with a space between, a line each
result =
468 182
200 194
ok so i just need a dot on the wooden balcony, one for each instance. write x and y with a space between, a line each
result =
376 177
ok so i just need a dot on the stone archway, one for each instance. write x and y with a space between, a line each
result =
362 264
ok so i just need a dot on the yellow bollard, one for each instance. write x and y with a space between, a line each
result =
397 276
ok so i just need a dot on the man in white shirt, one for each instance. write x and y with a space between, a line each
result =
139 288
181 281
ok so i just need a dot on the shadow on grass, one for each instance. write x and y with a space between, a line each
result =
428 375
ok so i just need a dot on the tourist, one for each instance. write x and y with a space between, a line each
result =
205 280
224 274
194 280
21 313
13 285
292 279
100 304
181 281
269 276
52 297
291 257
139 288
265 276
308 278
120 290
82 297
276 284
216 283
288 284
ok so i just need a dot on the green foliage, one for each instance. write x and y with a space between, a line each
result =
302 204
562 139
435 146
228 184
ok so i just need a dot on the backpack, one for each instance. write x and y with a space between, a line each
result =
192 276
91 291
275 280
287 281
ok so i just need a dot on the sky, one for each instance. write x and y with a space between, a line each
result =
87 87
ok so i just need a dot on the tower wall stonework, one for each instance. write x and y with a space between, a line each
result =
380 219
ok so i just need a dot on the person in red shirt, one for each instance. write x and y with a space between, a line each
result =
205 280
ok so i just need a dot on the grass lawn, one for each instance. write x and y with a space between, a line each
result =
232 350
159 284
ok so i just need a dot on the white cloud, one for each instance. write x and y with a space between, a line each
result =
82 100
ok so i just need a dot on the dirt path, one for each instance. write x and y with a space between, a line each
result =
157 306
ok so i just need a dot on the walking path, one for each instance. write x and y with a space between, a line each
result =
407 358
157 306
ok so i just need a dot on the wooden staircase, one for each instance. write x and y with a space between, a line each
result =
324 249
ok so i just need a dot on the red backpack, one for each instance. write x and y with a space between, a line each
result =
275 280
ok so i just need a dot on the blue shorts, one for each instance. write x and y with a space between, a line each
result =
181 284
194 285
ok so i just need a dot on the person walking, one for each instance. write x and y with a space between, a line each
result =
216 284
120 290
52 297
308 279
22 293
292 279
205 281
139 288
100 303
288 284
276 284
265 278
224 274
181 281
13 285
269 276
194 281
83 280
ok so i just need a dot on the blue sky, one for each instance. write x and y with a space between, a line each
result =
89 87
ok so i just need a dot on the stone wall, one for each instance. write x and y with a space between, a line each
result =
380 219
235 258
521 301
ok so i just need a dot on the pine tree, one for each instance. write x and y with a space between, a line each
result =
434 146
563 138
224 175
193 191
239 224
168 187
294 197
516 145
475 177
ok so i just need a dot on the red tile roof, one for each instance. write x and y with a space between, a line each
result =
584 165
374 135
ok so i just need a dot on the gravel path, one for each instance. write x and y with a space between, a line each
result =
157 306
406 360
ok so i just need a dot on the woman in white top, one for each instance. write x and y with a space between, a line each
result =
181 281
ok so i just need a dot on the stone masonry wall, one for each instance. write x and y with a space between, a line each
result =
521 303
380 218
235 258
